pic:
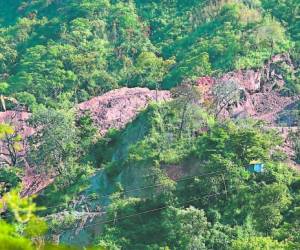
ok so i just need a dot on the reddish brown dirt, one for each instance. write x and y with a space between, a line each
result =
112 110
118 107
262 98
32 183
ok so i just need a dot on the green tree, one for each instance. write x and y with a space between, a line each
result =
56 133
187 100
26 229
273 200
11 240
150 70
257 243
237 142
42 73
186 228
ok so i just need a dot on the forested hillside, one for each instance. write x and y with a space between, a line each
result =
149 124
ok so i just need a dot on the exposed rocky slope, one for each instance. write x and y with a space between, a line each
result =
262 92
262 100
118 107
112 110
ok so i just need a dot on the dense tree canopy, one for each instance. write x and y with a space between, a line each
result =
91 47
177 176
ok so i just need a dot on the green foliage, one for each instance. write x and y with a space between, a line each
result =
10 178
23 209
6 129
225 94
26 99
296 142
88 135
10 240
171 134
26 228
150 70
276 199
257 243
241 143
217 222
189 230
56 133
54 54
91 47
3 87
11 145
286 11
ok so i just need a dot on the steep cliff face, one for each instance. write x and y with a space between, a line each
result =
264 96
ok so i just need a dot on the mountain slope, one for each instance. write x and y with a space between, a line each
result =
86 48
149 124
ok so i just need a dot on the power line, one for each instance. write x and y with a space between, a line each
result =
152 210
164 207
146 187
98 197
225 191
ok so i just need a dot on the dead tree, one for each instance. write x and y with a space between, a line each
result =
226 93
10 146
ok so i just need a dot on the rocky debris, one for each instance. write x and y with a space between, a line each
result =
18 120
260 80
112 110
262 98
32 182
250 80
271 107
118 107
287 146
175 172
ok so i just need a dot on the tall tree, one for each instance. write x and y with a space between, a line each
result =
54 146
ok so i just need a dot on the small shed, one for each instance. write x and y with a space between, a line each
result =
255 167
